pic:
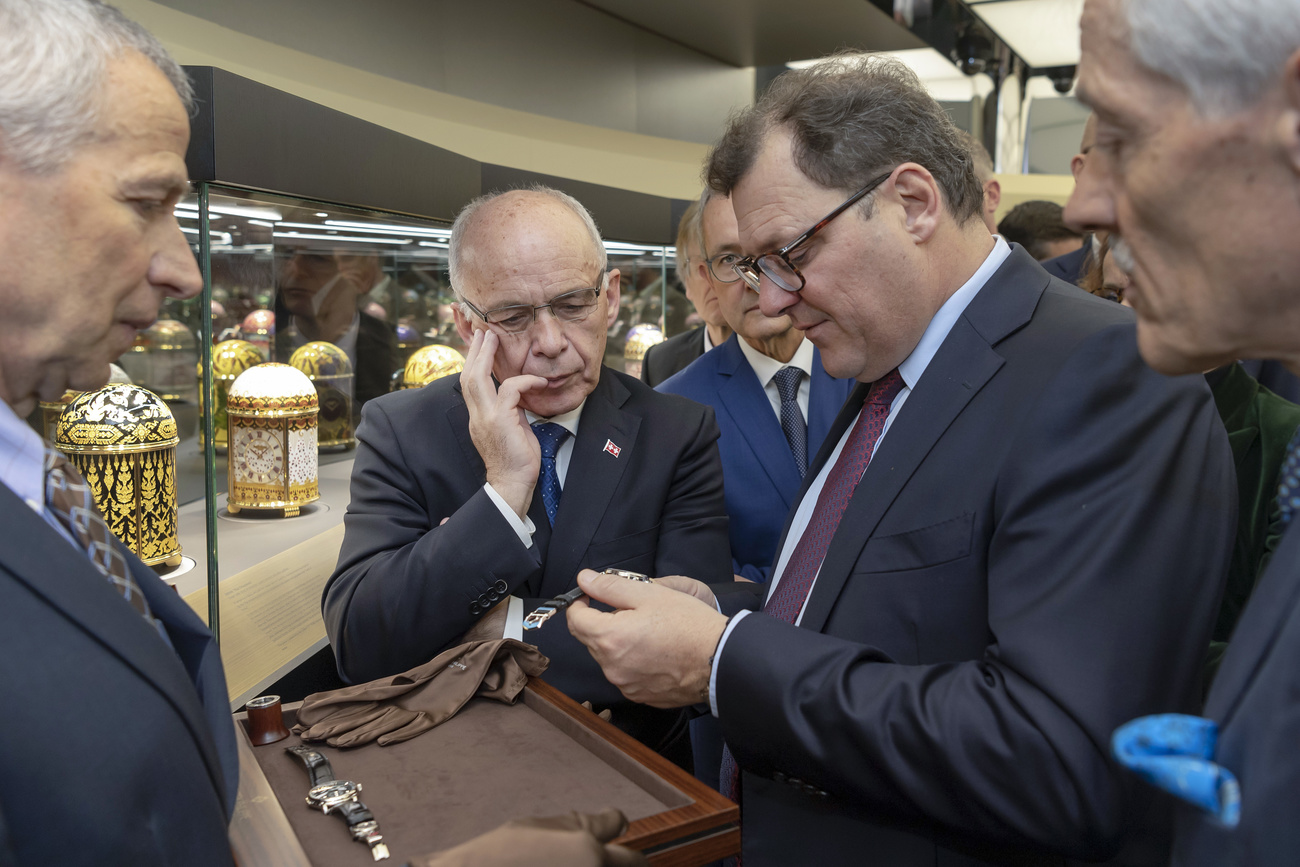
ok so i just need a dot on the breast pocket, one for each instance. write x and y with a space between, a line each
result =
920 548
634 552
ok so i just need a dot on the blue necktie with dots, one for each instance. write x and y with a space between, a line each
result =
794 427
550 436
1288 489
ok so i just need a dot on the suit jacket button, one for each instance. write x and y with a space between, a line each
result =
475 609
484 600
501 586
493 596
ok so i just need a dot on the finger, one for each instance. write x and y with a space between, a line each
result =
621 856
513 388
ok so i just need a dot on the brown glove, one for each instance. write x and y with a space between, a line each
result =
396 709
575 840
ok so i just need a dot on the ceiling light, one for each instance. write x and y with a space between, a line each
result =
1044 33
304 236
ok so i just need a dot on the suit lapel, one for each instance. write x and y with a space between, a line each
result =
593 476
745 400
963 364
52 569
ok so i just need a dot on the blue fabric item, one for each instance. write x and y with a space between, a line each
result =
550 436
1288 489
1174 752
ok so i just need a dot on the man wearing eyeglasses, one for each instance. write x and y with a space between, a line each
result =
479 497
1014 537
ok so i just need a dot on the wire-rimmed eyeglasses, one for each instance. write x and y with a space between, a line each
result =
569 307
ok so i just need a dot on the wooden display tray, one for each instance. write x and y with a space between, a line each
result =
544 755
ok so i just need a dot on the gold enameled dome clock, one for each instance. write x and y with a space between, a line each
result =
123 440
330 371
271 414
229 359
429 363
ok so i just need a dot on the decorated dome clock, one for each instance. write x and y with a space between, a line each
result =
330 371
122 438
230 358
271 413
429 363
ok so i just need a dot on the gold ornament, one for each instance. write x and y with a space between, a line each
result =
123 440
639 339
229 359
430 363
330 371
271 415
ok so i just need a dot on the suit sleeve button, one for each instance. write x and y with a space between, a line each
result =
475 609
501 586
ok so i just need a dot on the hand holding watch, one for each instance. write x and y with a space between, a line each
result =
551 607
339 796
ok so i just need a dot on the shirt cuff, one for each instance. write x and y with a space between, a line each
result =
717 659
514 618
524 529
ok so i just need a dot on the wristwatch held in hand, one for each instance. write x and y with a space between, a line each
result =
339 796
551 607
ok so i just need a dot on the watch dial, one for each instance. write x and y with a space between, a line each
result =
258 457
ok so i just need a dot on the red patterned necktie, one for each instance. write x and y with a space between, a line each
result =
797 579
70 499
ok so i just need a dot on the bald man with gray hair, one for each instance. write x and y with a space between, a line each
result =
480 496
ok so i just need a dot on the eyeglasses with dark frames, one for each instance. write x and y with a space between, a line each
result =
572 306
777 266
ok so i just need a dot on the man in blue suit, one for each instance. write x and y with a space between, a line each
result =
1196 174
774 403
767 436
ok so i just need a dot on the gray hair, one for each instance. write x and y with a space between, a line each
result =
1226 53
852 117
53 57
467 215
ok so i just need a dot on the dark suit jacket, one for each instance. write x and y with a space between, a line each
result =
407 588
1254 701
1073 266
1033 557
664 359
114 749
757 465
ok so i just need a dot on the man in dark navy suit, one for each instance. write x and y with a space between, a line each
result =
480 496
116 742
967 599
1196 174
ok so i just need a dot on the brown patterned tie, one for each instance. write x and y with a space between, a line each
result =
70 499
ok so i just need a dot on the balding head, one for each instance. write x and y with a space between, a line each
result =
515 251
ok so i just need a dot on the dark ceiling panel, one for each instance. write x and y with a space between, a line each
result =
765 32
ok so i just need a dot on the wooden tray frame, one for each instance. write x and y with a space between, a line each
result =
700 832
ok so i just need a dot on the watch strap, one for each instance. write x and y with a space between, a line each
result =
317 766
364 828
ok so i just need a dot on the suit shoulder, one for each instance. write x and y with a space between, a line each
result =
696 380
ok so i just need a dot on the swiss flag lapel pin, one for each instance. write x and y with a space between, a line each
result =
611 448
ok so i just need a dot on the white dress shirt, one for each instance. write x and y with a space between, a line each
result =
910 370
765 368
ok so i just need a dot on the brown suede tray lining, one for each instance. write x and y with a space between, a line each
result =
488 764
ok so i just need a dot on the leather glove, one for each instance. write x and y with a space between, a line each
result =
575 840
395 709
